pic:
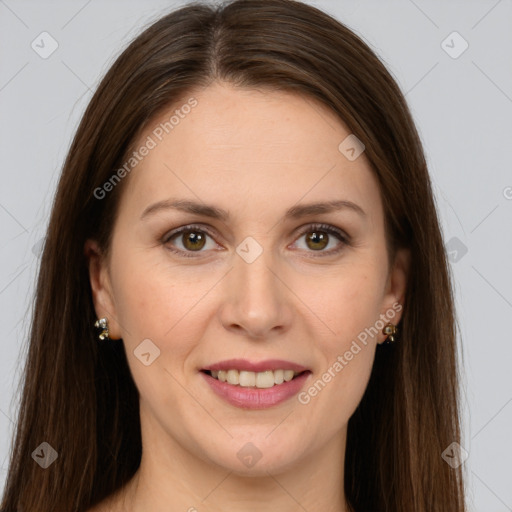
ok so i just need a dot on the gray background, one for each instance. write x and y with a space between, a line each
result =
463 109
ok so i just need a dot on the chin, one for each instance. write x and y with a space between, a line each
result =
259 455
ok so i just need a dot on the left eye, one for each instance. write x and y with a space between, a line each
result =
194 238
318 237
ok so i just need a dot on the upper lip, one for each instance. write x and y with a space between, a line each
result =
252 366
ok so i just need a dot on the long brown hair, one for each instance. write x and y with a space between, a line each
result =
80 397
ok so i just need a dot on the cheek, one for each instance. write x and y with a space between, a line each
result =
350 310
159 303
146 289
163 302
348 302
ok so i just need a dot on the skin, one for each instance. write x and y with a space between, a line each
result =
255 154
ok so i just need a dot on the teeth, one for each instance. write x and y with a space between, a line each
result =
265 379
288 375
247 379
233 377
262 380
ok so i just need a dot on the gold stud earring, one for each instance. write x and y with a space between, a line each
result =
102 323
390 330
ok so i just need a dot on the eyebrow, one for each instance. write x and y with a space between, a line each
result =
295 212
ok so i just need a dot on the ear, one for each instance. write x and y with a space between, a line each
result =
396 286
102 296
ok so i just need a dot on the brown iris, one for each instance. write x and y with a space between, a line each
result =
319 240
193 240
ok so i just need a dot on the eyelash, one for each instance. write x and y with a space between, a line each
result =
325 228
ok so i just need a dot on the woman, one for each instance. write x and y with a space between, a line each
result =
244 300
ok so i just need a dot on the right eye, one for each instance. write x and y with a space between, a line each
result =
192 239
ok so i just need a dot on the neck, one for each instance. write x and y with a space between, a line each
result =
172 477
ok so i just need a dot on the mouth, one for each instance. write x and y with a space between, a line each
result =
256 380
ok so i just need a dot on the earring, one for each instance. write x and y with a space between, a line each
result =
102 324
390 330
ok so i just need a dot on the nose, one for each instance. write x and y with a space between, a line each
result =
257 299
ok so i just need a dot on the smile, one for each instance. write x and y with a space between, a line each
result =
255 390
261 380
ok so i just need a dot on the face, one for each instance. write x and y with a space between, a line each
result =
243 275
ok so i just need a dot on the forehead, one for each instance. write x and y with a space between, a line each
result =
238 146
263 124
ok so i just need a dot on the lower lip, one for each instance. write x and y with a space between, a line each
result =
256 398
